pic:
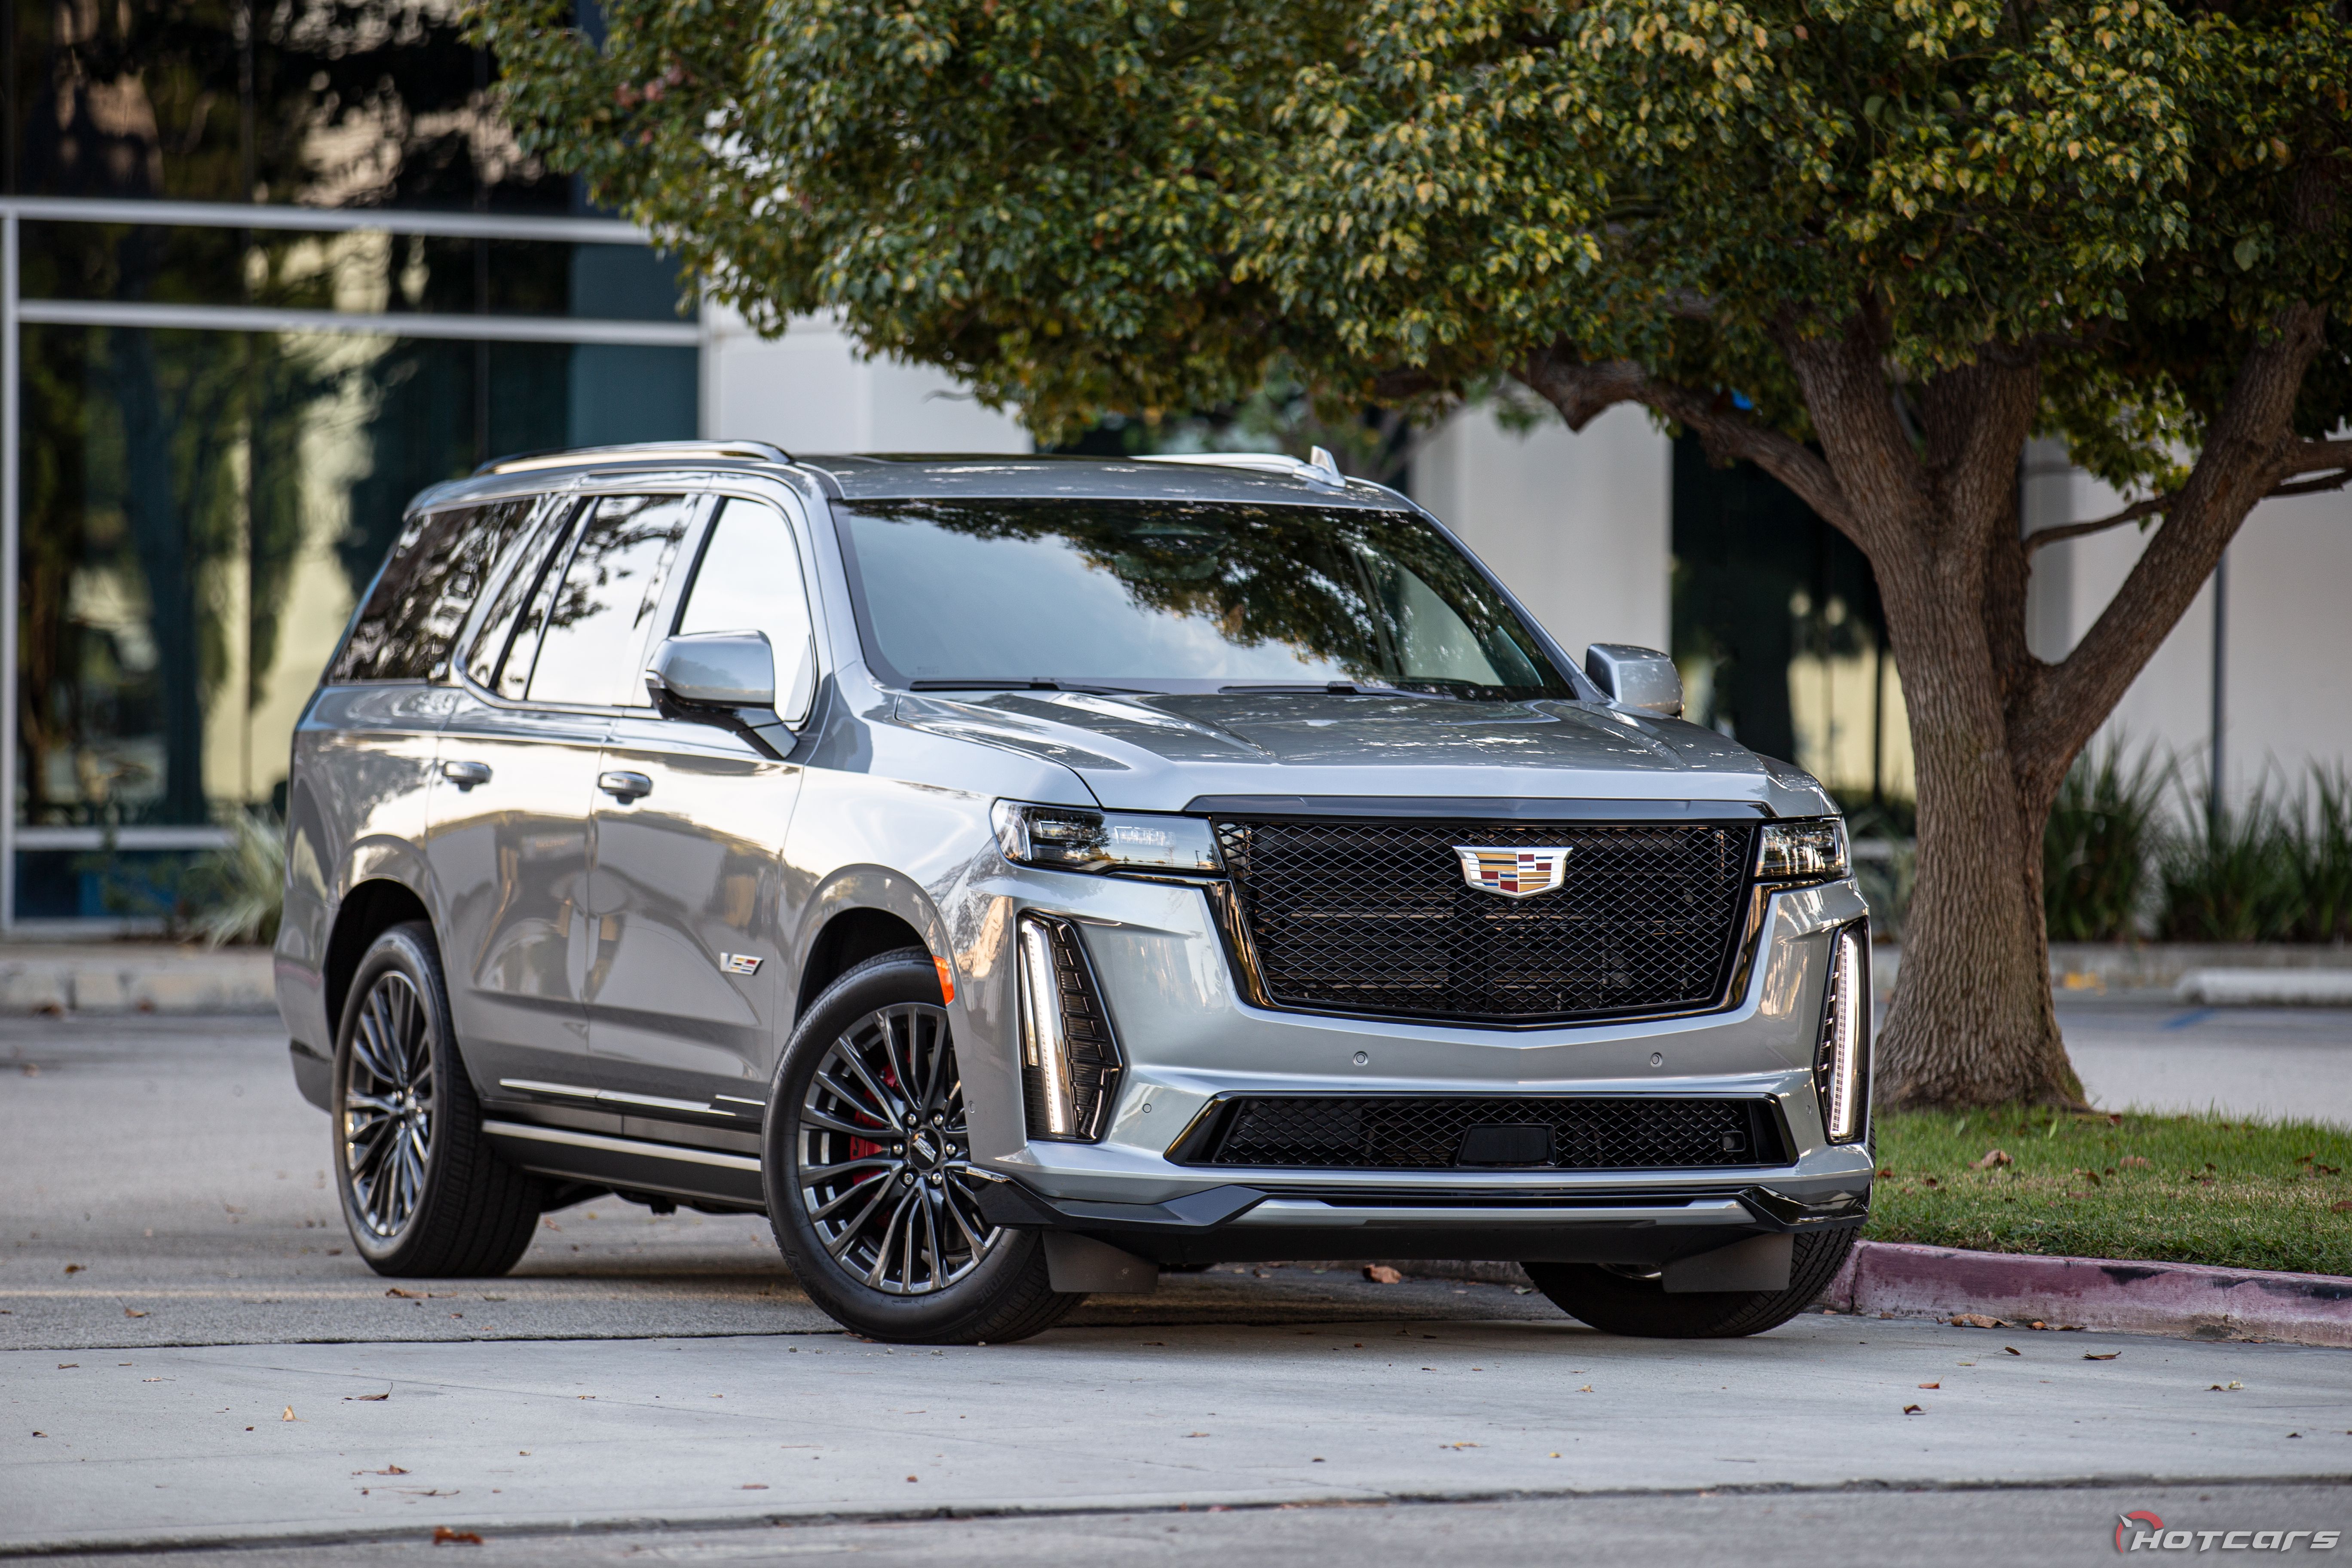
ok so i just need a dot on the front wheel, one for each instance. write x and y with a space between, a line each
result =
1639 1308
868 1166
422 1192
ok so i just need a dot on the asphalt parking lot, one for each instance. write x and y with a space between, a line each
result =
205 1364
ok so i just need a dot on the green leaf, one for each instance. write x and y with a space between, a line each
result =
2248 250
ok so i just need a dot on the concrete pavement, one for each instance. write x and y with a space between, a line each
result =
193 1446
168 1227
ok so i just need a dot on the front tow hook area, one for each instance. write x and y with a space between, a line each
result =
1838 1210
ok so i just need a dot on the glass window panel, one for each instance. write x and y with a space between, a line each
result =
321 103
362 272
201 511
749 580
593 650
493 645
412 613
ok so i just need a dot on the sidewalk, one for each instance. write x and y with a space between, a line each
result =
134 977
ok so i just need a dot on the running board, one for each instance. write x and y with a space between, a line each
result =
630 1163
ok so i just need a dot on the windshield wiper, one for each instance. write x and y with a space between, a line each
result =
1339 688
1035 683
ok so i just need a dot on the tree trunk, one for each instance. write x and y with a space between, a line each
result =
1922 476
1971 1022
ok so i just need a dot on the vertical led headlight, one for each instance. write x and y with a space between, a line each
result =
1070 1062
1842 1060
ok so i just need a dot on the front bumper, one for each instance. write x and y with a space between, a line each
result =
1242 1223
1189 1040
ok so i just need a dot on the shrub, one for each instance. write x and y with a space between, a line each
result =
2102 834
244 886
2232 876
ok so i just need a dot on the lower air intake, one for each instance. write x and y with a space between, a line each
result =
1596 1133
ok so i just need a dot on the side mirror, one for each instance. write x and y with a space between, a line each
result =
726 678
1639 678
714 670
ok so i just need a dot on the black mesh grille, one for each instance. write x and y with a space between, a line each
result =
1371 1132
1376 918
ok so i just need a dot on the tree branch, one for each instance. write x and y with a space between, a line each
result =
2308 457
2131 513
1583 390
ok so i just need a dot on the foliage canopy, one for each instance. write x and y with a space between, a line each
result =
1082 205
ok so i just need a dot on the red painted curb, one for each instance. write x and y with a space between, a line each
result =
1888 1278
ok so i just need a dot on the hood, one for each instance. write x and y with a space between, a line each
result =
1163 752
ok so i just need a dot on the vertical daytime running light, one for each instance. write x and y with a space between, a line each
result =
1044 1056
1845 1042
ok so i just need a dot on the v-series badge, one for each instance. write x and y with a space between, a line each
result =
738 963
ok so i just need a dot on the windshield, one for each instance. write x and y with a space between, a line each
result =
1176 595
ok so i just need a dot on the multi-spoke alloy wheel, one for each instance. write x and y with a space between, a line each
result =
424 1193
388 1105
885 1162
870 1183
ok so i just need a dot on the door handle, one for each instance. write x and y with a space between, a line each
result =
625 786
466 775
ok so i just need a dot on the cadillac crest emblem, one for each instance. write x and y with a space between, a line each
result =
1511 871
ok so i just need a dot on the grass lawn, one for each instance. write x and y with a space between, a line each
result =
2182 1189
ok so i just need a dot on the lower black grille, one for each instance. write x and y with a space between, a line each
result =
1596 1133
1378 918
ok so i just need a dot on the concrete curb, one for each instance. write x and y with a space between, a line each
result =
135 977
2180 1301
2267 987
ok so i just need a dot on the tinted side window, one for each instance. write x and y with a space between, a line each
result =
509 639
750 580
593 644
420 599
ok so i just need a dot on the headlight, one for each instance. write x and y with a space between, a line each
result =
1842 1060
1073 839
1810 850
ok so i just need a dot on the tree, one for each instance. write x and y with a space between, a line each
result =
1872 246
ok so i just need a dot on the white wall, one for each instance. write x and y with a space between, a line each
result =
2288 665
1579 525
809 391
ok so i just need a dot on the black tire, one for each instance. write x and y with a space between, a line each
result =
877 1032
1641 1309
430 1197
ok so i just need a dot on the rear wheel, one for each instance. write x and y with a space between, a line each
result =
1620 1304
423 1193
867 1164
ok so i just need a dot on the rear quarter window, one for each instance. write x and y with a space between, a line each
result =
412 613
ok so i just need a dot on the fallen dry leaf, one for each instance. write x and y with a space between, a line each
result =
76 1267
2343 1207
1458 1445
2231 1386
753 1487
1196 1434
1994 1158
364 1398
2012 1350
1931 1385
1976 1320
911 1478
289 1415
1381 1274
1911 1410
2133 1163
1586 1389
405 1294
444 1536
132 1312
2109 1356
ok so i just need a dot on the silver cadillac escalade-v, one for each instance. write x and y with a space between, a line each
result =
1015 875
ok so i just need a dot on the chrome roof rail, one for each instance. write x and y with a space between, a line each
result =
638 452
1320 469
